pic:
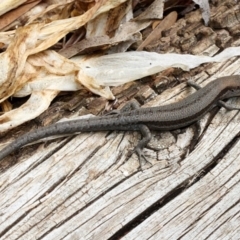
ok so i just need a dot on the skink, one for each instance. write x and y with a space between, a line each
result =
167 117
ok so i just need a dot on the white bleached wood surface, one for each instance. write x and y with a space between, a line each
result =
87 189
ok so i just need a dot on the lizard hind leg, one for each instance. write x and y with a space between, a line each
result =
146 137
227 106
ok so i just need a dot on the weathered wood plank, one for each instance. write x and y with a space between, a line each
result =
208 210
87 188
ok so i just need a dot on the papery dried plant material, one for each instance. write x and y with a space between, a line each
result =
49 82
120 68
8 20
51 71
50 2
204 5
51 33
127 32
28 40
52 12
48 74
12 61
156 34
36 38
6 38
115 17
6 106
37 104
101 25
7 5
98 42
154 11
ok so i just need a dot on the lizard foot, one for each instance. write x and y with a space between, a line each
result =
144 163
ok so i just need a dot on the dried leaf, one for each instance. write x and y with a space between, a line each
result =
7 5
7 20
120 68
126 32
36 38
166 23
38 103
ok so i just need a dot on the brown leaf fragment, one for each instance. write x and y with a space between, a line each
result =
126 32
39 101
115 17
156 34
6 106
14 14
7 5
